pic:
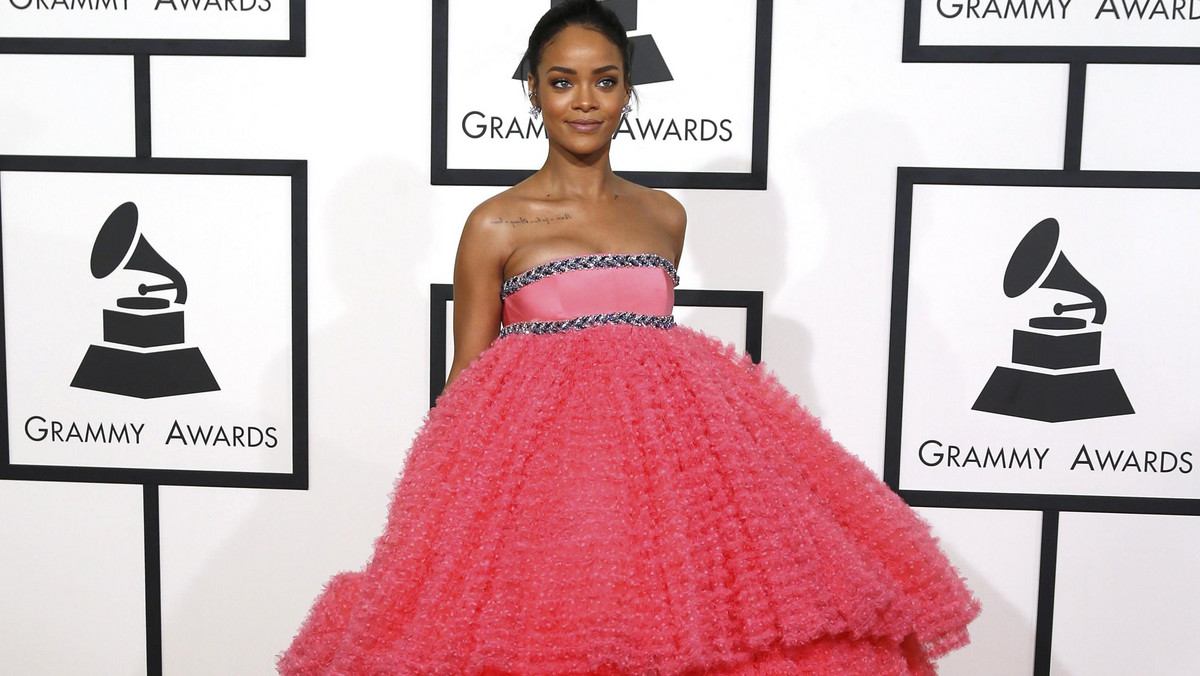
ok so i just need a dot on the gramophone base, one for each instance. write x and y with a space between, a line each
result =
1054 397
156 329
1049 351
145 375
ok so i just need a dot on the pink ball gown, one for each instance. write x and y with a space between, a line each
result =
606 492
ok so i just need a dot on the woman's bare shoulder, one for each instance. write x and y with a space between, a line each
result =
661 205
487 231
661 209
492 210
668 210
497 214
504 210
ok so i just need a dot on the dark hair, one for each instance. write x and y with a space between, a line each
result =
588 13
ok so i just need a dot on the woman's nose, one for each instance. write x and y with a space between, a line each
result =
585 100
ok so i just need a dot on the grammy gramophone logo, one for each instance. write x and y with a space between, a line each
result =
143 354
650 66
1056 374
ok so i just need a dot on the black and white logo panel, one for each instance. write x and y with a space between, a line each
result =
687 131
217 27
1056 31
1043 338
149 315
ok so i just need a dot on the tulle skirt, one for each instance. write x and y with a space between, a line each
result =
630 500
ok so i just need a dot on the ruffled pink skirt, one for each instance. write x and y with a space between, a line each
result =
625 500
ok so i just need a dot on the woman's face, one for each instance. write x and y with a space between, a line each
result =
581 90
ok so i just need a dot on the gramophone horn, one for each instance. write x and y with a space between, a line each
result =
1036 254
147 259
1031 258
1065 277
114 242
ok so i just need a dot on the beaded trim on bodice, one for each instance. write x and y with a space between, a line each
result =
559 325
587 262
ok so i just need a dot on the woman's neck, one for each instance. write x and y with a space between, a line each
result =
568 176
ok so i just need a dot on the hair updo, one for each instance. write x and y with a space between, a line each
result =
587 13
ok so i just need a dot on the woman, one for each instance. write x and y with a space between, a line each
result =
579 83
600 491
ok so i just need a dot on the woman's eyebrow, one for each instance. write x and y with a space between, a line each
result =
572 71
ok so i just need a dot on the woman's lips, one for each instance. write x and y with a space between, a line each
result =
585 126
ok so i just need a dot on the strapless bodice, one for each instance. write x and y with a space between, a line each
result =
580 291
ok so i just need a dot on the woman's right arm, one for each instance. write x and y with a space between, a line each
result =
478 274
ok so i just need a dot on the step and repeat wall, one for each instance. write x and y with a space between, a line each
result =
962 233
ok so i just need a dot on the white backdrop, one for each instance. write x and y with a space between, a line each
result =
241 566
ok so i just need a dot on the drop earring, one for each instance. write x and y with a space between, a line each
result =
627 109
535 112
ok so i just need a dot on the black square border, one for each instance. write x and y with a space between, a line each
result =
293 46
440 296
755 179
297 479
915 52
907 179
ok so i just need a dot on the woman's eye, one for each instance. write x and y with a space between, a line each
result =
560 83
608 82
